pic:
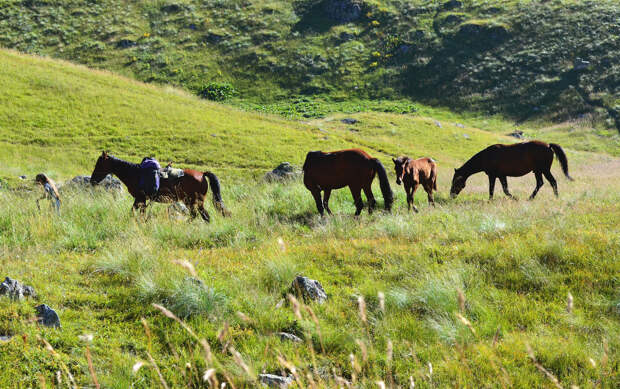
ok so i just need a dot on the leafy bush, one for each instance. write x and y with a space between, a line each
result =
216 91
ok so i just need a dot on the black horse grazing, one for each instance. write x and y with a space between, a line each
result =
191 188
516 160
353 168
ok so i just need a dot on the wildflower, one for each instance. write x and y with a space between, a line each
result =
374 64
146 35
375 23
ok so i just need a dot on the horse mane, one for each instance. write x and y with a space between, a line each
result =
125 165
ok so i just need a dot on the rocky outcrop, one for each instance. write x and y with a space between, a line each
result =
308 289
275 381
47 316
284 171
343 11
16 290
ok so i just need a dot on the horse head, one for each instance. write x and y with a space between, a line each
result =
458 183
102 168
401 168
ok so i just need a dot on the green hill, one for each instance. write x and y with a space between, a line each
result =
525 59
471 293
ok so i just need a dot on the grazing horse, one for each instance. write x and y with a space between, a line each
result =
413 172
516 160
353 168
191 188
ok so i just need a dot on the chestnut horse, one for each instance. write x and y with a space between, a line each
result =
191 188
353 168
516 160
413 172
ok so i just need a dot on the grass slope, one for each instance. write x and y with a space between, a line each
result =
101 268
515 57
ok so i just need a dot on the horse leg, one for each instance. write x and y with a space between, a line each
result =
316 193
203 212
409 197
356 192
504 182
328 192
539 184
370 198
552 181
412 197
428 187
491 186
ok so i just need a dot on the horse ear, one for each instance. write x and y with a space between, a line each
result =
394 160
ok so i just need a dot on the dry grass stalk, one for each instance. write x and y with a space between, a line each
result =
388 356
496 337
381 297
381 384
147 330
161 377
292 368
363 348
172 316
64 367
318 326
42 381
466 323
91 369
137 366
411 383
461 301
281 244
295 306
569 303
240 362
362 308
541 368
187 265
210 377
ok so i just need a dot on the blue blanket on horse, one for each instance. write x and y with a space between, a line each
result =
149 176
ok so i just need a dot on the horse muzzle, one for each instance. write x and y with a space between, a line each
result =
398 181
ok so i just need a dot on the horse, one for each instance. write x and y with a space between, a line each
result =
413 172
353 168
515 160
191 188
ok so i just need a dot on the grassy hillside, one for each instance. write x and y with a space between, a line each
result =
520 58
513 263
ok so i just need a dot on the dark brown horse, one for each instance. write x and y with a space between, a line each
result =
191 188
516 160
412 173
353 168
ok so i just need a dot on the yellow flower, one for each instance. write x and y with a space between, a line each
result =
374 64
146 35
376 54
375 23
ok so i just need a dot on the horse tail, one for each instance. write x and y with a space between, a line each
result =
433 172
562 158
217 195
384 183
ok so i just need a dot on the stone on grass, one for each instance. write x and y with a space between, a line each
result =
516 134
109 183
47 316
16 290
308 289
285 171
290 337
5 338
349 121
275 381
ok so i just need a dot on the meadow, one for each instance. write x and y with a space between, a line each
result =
471 293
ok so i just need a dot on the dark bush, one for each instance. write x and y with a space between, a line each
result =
216 91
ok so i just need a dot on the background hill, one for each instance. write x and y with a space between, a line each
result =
393 314
557 59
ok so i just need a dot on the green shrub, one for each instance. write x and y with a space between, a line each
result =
216 91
